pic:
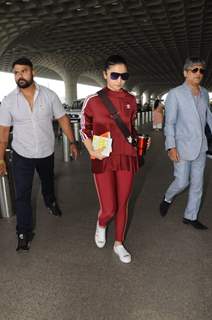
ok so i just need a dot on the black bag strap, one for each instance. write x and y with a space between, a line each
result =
115 115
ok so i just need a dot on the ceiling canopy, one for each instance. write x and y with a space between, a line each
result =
155 37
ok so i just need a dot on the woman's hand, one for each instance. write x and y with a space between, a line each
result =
94 154
97 154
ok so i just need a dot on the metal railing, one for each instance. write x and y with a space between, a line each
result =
7 189
143 117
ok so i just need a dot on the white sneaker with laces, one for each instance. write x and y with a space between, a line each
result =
122 253
100 238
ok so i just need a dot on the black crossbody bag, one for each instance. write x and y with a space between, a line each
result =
115 115
123 128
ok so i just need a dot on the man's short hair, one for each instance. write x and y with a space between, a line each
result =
23 61
193 60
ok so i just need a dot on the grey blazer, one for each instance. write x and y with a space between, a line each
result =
183 128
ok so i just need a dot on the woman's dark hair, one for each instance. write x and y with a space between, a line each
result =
23 61
156 104
112 60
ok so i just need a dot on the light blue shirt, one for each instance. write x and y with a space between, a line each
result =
33 135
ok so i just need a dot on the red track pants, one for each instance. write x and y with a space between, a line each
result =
114 188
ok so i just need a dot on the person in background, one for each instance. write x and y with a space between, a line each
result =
157 116
30 109
186 113
113 175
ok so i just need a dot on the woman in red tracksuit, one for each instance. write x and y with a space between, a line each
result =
113 175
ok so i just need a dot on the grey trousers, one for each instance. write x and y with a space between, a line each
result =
188 173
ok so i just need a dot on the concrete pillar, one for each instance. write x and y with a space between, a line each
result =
70 80
146 97
140 96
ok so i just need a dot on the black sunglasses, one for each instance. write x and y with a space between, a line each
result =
116 75
195 70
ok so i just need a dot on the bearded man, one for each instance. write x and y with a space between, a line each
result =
30 109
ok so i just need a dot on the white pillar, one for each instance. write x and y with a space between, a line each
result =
70 80
146 97
140 95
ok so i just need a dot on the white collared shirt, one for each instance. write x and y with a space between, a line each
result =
33 135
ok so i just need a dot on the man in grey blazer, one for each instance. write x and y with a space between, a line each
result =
186 114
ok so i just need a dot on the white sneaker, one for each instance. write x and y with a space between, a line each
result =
100 238
122 253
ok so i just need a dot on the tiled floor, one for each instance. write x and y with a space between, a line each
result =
65 277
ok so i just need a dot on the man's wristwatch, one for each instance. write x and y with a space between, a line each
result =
72 142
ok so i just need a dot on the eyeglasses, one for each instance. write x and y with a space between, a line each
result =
115 75
195 70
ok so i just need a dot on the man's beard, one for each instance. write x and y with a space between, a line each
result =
23 83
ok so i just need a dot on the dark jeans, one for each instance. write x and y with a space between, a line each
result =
23 170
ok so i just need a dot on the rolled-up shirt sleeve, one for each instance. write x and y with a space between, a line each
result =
58 109
86 131
5 115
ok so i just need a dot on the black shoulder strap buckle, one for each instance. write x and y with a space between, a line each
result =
115 115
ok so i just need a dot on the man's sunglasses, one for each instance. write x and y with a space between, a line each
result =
195 70
115 75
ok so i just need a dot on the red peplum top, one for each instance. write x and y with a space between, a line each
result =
96 119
